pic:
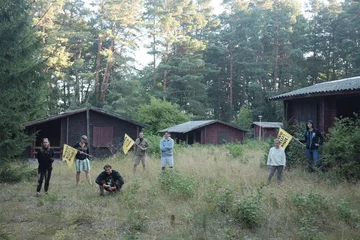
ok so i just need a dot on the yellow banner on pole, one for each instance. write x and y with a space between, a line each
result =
284 138
128 143
69 154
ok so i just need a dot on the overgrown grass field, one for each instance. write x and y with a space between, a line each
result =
209 195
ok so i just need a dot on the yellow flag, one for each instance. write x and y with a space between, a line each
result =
69 154
284 138
128 143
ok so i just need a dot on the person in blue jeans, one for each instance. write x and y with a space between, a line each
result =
313 139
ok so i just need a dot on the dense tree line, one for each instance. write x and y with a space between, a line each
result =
74 53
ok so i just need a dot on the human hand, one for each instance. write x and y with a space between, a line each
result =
316 144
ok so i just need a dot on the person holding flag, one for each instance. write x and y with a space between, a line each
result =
276 161
313 139
45 157
82 162
141 146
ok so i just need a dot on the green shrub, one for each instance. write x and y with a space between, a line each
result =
248 211
310 203
235 149
308 228
342 151
295 152
351 216
220 199
154 144
177 184
16 171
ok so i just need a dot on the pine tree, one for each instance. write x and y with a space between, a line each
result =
21 76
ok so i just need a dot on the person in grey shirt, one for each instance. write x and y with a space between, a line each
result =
276 161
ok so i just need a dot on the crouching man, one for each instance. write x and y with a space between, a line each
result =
109 180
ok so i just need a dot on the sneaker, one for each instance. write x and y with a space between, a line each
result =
37 194
46 192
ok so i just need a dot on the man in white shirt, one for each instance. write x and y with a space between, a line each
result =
276 161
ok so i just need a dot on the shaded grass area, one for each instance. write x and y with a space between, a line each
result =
212 195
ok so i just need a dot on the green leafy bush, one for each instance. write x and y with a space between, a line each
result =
351 216
342 151
310 202
177 184
154 144
160 114
16 171
248 211
295 152
235 149
220 199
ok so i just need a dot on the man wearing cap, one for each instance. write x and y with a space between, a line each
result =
82 162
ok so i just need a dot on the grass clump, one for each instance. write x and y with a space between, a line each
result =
177 184
248 210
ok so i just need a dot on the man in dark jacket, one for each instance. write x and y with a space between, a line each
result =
109 180
313 139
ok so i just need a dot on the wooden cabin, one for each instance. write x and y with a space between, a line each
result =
266 129
206 132
322 102
105 131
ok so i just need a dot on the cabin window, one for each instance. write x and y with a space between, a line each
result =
103 136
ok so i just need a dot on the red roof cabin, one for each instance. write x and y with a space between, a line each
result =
206 132
266 129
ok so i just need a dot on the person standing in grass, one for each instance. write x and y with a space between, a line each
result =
109 180
141 146
166 148
276 161
45 157
82 161
313 139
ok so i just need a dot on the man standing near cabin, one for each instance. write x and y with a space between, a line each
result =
82 161
166 148
141 146
276 161
313 139
109 180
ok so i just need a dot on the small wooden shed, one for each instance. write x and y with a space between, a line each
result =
105 131
266 129
322 102
206 132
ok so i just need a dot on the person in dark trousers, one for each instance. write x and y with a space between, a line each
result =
313 139
276 161
109 180
82 161
45 157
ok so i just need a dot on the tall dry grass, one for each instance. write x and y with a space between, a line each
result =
305 206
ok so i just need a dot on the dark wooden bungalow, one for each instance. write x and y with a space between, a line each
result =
206 132
266 129
105 131
322 102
